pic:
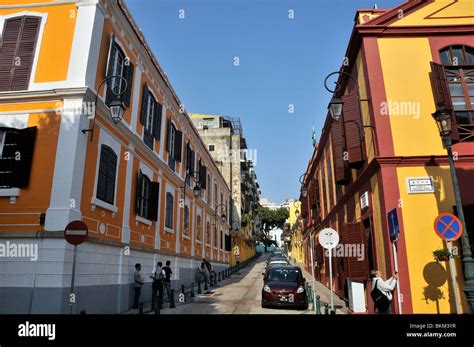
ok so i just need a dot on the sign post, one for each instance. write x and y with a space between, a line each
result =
449 228
75 233
312 272
329 239
394 229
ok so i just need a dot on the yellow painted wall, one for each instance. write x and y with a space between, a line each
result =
437 13
406 68
55 50
428 280
378 219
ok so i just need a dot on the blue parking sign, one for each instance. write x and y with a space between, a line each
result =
393 226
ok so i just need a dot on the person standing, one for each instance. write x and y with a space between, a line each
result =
158 276
382 291
167 279
138 282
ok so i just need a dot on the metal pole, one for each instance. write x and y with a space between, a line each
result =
312 272
72 279
395 263
467 259
330 279
453 278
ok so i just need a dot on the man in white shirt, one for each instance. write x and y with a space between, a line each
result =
386 287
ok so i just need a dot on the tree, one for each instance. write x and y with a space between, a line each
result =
272 219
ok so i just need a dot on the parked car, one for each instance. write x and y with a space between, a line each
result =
284 286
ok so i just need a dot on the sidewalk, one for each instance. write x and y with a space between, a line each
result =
323 291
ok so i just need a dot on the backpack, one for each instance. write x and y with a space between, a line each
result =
381 302
159 276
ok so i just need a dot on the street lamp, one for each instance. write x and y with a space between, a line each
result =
223 215
304 189
116 106
197 185
335 108
442 116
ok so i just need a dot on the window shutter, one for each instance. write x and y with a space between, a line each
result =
111 171
17 52
145 96
354 235
204 178
188 157
191 167
443 96
111 56
341 173
128 75
154 199
8 164
25 146
228 243
102 177
178 145
138 193
106 177
354 142
168 137
157 120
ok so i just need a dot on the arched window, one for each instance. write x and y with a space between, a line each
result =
454 83
107 172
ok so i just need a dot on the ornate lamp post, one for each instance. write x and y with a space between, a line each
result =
304 189
116 107
442 116
197 186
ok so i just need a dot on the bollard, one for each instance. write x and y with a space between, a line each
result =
172 305
192 290
199 286
183 291
140 308
157 308
219 276
326 309
83 312
333 312
318 304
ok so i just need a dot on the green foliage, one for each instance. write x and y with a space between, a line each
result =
272 219
442 255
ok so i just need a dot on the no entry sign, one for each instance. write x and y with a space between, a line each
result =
448 226
76 232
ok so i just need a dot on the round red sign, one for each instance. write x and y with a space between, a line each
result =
76 232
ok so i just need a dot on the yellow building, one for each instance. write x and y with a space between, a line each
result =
295 247
130 180
383 162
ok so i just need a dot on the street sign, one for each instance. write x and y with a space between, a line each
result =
393 225
328 238
420 185
76 232
448 227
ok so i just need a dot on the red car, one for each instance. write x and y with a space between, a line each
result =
284 286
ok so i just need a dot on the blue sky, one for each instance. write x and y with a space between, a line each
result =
282 61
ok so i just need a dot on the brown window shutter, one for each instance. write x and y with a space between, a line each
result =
154 200
442 95
128 75
341 173
354 235
354 142
168 131
143 112
25 146
138 193
178 145
17 52
106 177
204 177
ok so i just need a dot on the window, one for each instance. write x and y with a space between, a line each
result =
16 156
198 227
454 88
107 173
150 117
173 145
147 197
202 175
186 221
215 195
118 65
17 52
169 210
209 189
215 235
190 158
208 233
211 148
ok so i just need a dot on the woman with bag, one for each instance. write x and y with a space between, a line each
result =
382 291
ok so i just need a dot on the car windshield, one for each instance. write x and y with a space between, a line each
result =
284 275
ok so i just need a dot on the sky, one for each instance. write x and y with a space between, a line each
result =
282 63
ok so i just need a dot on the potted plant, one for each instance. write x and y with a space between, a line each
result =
442 255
